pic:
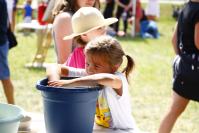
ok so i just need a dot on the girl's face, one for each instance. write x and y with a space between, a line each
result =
85 3
93 34
97 64
96 33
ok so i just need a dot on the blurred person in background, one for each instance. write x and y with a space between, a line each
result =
4 48
28 11
153 10
11 9
122 11
109 9
138 15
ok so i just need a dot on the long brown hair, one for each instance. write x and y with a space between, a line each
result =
80 41
108 47
69 6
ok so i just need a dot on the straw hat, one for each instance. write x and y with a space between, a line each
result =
87 19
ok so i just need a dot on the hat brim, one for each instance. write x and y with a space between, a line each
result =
107 22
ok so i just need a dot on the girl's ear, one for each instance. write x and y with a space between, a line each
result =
84 37
115 67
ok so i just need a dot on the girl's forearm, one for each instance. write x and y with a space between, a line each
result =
120 4
79 82
93 80
174 41
53 72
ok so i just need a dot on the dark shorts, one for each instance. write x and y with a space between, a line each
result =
4 69
182 83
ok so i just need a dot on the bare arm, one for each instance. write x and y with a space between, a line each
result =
104 79
120 4
62 27
196 36
129 6
55 71
174 40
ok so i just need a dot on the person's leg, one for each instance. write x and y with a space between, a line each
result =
118 15
108 11
125 25
125 21
8 90
177 107
5 74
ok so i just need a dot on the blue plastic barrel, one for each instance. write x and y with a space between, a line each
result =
70 110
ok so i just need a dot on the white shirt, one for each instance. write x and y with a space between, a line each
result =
120 107
153 8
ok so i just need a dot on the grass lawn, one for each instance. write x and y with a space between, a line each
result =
150 83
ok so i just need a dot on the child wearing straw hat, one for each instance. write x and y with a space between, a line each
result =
87 24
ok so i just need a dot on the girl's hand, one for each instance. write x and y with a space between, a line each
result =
53 72
57 83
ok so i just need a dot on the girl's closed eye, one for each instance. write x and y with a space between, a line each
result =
87 64
98 66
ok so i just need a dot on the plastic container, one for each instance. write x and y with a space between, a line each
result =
10 116
70 110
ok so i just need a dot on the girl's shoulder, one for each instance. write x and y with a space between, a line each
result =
63 16
62 19
121 76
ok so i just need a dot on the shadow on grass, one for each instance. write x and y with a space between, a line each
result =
36 69
129 38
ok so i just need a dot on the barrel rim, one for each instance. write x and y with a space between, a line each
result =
82 89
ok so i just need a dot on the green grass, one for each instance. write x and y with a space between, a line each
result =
150 83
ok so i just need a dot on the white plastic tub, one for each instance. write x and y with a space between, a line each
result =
10 116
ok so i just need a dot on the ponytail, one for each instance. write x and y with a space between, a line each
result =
129 67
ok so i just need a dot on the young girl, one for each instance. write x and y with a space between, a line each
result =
186 64
87 24
104 56
62 12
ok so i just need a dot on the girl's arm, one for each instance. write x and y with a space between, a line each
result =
55 71
129 6
62 27
196 36
174 40
104 79
120 4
